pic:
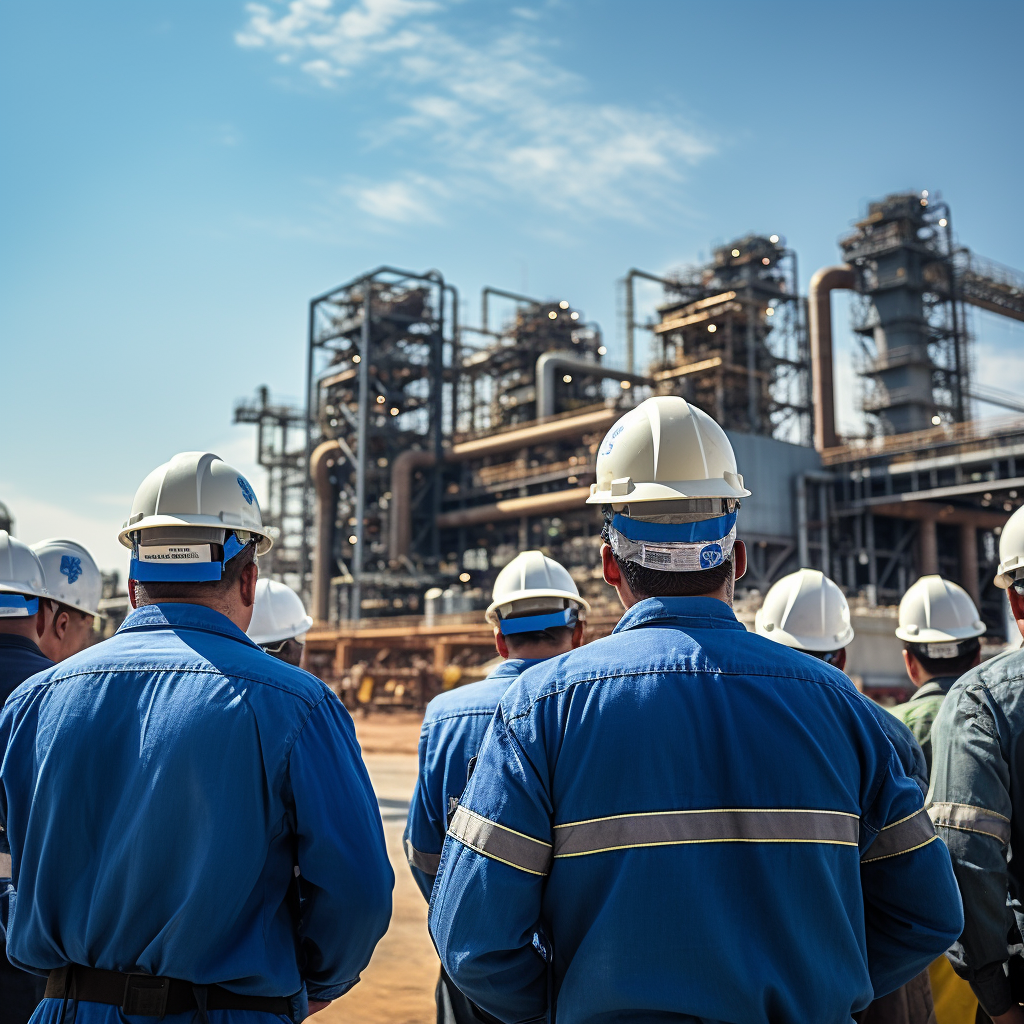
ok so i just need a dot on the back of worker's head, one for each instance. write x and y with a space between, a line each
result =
73 579
669 492
940 629
536 609
1010 574
807 612
279 621
195 530
24 599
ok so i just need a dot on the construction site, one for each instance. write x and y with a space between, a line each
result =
430 451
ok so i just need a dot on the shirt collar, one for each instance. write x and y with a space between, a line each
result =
938 685
17 640
511 668
174 615
681 612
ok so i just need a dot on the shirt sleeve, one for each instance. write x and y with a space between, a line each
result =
425 828
346 879
970 805
912 910
485 910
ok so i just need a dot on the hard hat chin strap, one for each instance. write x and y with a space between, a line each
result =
181 563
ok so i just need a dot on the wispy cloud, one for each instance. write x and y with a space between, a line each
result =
487 119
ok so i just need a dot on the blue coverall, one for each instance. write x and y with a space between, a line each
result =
20 992
695 822
170 796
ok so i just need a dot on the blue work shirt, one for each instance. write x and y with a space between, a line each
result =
19 659
169 796
685 819
453 729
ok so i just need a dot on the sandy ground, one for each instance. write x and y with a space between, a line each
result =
398 985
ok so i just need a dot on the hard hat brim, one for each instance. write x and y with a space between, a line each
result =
674 491
264 544
940 636
491 615
804 643
276 635
10 588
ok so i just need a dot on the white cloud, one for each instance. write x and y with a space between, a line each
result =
489 119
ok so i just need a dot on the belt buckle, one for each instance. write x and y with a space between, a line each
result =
145 995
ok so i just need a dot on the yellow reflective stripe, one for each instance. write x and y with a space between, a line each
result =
500 843
902 836
717 825
969 818
428 863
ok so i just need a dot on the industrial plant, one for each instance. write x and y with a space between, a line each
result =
430 451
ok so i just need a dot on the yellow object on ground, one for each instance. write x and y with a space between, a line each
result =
954 1001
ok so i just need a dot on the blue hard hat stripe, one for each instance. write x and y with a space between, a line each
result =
30 604
675 533
164 572
537 623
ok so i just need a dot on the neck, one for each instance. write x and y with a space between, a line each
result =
20 627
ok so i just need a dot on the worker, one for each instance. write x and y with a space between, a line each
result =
24 617
683 819
940 629
190 822
976 804
807 612
279 622
76 586
537 613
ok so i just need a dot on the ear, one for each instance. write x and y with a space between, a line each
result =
42 617
577 634
60 624
500 643
247 584
610 567
131 594
1017 607
839 661
913 666
739 559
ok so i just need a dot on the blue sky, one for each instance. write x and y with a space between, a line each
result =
179 178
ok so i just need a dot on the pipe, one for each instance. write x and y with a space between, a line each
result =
400 534
819 315
325 513
513 508
803 542
550 363
505 295
631 324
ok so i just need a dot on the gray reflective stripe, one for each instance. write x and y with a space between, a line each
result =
727 825
968 818
909 833
5 865
426 862
500 843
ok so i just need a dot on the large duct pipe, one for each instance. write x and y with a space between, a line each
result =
551 363
405 464
325 514
819 301
514 508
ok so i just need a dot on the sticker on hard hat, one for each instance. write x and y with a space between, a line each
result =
711 555
70 566
175 553
247 492
609 441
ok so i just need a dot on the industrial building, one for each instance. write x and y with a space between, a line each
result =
430 451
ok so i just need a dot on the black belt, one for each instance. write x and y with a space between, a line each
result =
150 996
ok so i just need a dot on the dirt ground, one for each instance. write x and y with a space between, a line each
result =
398 985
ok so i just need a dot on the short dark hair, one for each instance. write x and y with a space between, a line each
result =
61 607
151 592
646 582
946 666
556 636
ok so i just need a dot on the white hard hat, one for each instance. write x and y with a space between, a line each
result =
183 507
937 611
532 582
277 614
805 610
22 581
665 450
1011 551
71 574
